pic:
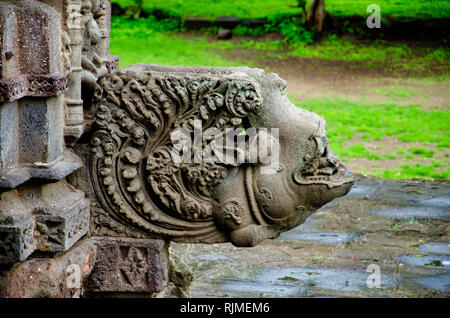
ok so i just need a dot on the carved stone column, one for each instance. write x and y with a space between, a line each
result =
32 83
43 212
73 46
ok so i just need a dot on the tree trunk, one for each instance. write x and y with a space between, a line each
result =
316 14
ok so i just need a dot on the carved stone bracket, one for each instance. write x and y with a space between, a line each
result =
141 190
138 112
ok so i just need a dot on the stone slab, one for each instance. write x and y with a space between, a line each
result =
407 213
402 193
433 261
214 257
436 282
436 248
319 237
227 22
296 281
129 265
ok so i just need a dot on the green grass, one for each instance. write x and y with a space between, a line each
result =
417 170
358 151
427 153
141 43
406 123
389 156
138 42
399 93
391 8
372 54
375 54
266 8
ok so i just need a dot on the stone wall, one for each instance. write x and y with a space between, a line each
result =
52 55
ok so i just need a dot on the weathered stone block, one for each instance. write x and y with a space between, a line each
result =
56 233
58 277
29 61
16 238
51 217
129 265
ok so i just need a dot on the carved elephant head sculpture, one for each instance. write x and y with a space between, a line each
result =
157 171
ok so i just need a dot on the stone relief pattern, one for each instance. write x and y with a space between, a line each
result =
135 268
16 241
133 174
32 85
85 58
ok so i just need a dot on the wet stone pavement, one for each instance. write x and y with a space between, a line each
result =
400 228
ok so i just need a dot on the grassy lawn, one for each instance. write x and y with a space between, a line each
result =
405 124
137 42
266 8
419 136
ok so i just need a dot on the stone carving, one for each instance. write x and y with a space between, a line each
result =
129 265
29 64
49 218
135 267
141 186
87 25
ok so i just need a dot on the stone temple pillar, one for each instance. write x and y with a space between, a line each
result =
38 209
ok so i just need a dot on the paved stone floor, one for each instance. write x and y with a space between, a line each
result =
400 227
